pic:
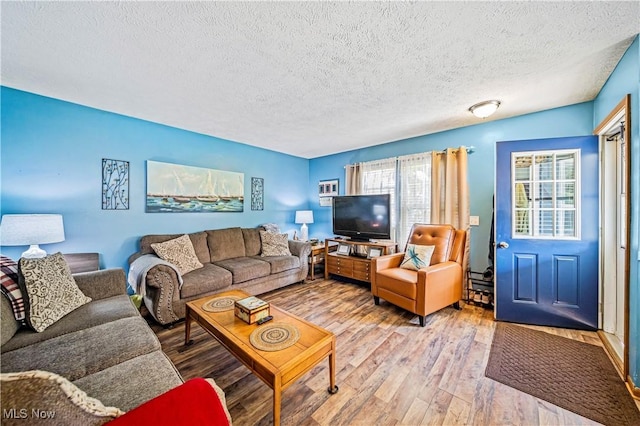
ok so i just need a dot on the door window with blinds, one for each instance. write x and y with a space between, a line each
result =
545 191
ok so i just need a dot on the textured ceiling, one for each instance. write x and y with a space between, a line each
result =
314 78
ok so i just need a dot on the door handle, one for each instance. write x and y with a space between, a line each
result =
503 244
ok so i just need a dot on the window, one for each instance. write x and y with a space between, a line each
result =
408 180
414 193
545 194
379 177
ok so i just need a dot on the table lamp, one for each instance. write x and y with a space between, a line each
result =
31 230
304 217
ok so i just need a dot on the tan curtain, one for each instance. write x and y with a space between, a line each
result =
450 192
353 179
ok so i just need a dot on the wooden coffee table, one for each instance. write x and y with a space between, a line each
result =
279 369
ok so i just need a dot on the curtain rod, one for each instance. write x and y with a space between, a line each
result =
470 150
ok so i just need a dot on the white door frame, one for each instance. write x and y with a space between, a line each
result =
620 113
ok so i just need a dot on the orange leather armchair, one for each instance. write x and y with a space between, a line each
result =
428 289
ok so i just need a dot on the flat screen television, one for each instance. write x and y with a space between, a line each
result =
362 217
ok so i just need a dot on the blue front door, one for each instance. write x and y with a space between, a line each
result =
546 232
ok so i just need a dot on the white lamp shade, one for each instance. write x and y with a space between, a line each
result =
31 229
304 216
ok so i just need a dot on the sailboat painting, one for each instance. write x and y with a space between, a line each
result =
174 188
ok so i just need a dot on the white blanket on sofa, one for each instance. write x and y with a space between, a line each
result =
137 276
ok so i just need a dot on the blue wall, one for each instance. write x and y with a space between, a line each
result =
624 80
574 120
51 159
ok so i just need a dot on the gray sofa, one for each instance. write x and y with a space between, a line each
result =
231 259
104 347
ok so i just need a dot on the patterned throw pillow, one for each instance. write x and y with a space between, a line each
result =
51 393
417 256
179 252
49 290
10 288
274 244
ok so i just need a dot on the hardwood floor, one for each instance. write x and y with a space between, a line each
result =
390 370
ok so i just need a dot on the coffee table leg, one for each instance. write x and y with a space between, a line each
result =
277 400
187 327
332 369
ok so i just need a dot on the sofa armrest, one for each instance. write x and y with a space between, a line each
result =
157 276
24 393
439 285
102 284
381 263
162 288
387 261
195 402
301 249
448 272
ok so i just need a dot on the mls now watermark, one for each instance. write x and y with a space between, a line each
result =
23 413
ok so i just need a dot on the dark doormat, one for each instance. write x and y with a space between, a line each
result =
576 376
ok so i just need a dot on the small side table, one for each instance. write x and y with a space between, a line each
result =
317 257
82 262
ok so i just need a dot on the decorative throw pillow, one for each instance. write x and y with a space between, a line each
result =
49 290
179 252
10 288
417 256
50 393
274 244
195 402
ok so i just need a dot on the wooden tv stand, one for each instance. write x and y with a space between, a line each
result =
352 266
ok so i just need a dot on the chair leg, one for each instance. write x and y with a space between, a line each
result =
422 320
376 300
456 305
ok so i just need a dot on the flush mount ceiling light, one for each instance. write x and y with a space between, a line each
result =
484 109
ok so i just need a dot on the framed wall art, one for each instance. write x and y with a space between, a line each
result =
115 184
327 189
174 188
257 193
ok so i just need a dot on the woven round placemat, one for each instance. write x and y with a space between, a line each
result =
274 337
220 304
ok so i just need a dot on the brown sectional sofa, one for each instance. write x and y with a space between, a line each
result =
104 347
231 258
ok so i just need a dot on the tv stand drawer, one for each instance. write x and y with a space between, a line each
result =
358 268
340 266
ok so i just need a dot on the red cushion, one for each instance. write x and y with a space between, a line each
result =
194 402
